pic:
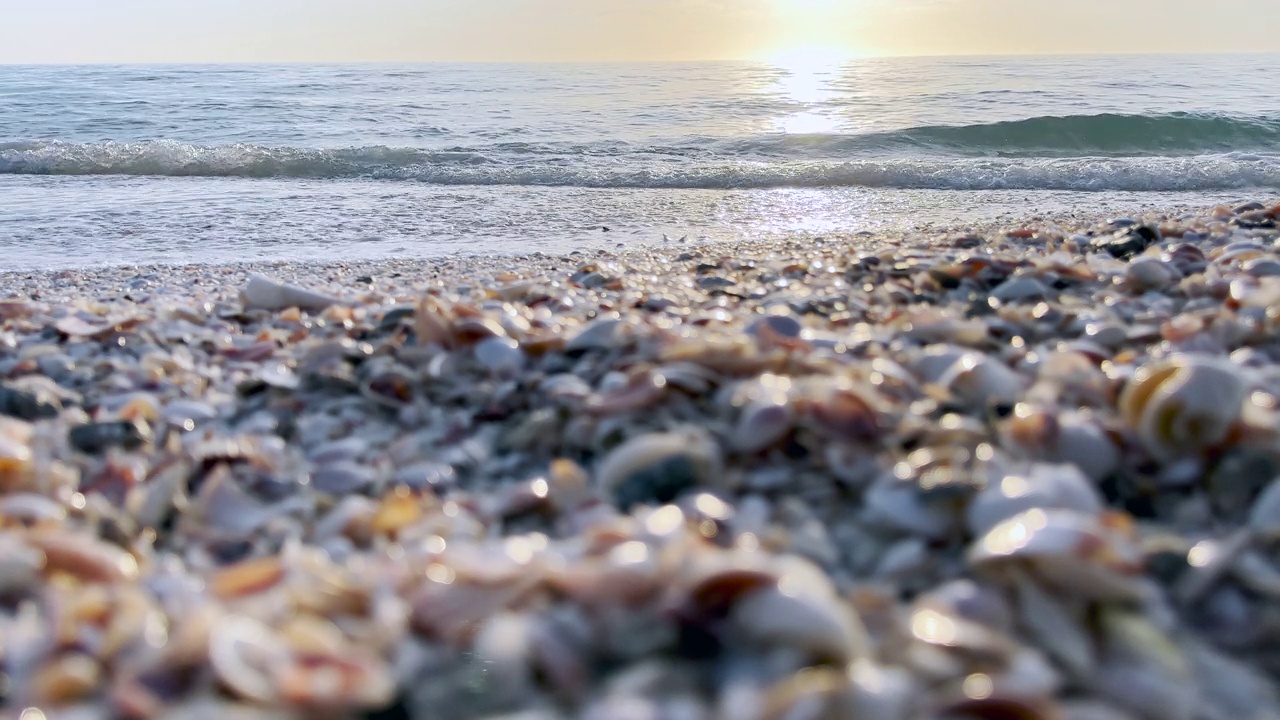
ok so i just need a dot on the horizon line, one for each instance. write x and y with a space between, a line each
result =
854 57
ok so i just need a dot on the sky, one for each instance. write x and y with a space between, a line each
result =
180 31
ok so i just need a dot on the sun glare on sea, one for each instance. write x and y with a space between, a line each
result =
808 76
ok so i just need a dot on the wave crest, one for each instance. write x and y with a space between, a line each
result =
643 169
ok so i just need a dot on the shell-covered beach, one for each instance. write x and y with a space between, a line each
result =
1022 471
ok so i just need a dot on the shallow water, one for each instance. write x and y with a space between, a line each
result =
102 165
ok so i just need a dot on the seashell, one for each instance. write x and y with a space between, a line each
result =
398 510
932 325
188 414
20 566
347 449
426 475
433 322
777 322
64 680
29 509
981 382
83 557
16 456
1061 487
1056 625
762 424
76 326
263 293
1149 273
716 591
1083 441
391 387
810 693
243 654
1019 289
349 679
883 692
343 478
841 409
1251 292
1183 405
1072 551
1264 516
248 577
500 355
278 375
1238 477
600 334
1229 688
935 360
899 504
223 504
637 392
1257 574
452 609
658 467
801 611
1142 670
1262 267
967 599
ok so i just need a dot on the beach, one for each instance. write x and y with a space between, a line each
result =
1023 468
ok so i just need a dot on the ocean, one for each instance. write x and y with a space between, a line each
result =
110 165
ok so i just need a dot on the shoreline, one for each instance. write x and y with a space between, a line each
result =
1022 468
928 234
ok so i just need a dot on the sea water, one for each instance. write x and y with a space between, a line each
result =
184 164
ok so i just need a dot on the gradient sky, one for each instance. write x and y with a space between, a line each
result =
73 31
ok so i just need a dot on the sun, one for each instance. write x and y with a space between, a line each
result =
809 35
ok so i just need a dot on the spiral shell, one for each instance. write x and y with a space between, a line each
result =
1183 405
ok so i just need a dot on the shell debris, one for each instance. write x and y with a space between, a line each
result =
1028 471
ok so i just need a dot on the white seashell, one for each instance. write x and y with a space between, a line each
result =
898 504
935 360
1042 486
812 622
20 566
500 356
1149 273
263 293
1020 288
1071 551
1184 404
278 375
883 692
242 653
981 381
1056 629
30 508
601 334
224 505
1083 442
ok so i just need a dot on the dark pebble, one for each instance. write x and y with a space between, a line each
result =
95 438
